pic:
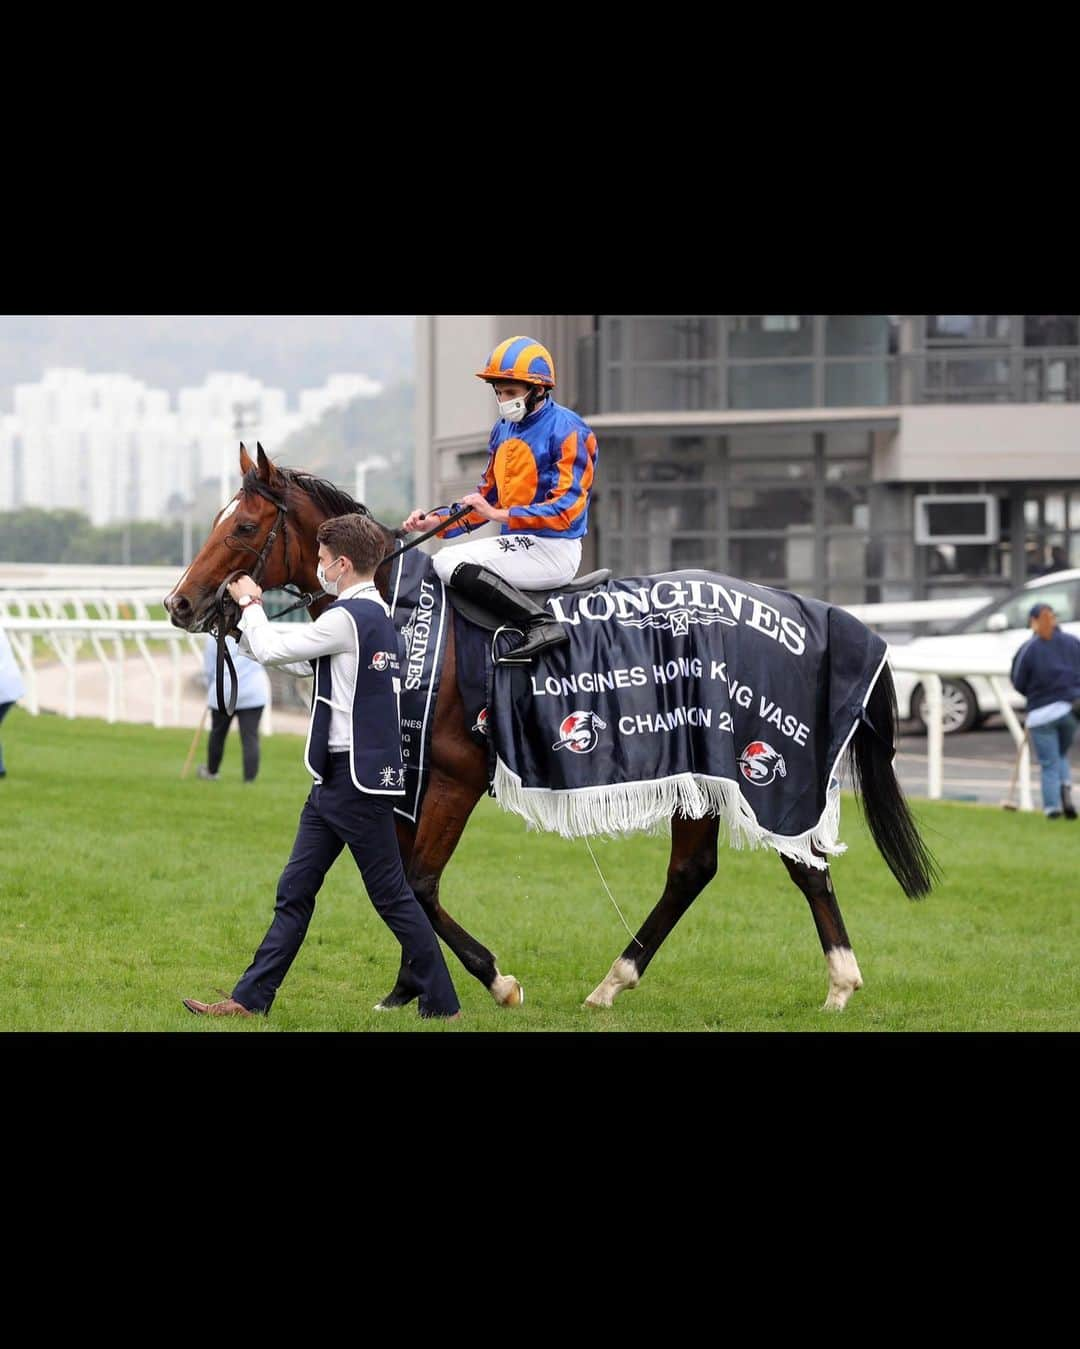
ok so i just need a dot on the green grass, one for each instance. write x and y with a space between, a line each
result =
124 889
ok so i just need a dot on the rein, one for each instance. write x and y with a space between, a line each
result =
224 659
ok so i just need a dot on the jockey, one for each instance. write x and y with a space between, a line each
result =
541 460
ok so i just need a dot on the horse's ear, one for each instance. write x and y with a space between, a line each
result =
246 461
267 472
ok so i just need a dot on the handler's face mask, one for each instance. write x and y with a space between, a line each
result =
329 587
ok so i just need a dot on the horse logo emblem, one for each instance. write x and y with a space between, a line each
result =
759 763
380 660
481 727
578 732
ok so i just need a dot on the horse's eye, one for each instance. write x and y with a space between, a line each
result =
246 529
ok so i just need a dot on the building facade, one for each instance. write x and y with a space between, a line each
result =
855 458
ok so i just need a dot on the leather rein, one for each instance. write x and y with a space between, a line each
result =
222 598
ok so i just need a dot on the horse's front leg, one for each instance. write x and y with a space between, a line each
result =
691 868
844 976
448 804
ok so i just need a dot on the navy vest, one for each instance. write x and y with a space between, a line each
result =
375 758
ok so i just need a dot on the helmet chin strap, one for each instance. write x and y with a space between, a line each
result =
536 393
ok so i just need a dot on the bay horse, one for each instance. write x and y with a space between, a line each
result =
274 519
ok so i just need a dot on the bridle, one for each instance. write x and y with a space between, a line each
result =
224 621
221 598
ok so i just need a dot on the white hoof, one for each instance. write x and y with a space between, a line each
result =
844 978
623 974
382 1007
507 992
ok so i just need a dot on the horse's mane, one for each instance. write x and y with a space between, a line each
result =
326 496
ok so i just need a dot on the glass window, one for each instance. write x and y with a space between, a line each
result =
763 335
848 505
1054 510
858 384
859 335
690 338
785 470
846 470
799 555
959 379
770 386
614 339
1074 510
841 444
1051 330
1045 553
845 555
847 593
687 553
770 507
672 388
890 556
961 328
765 445
757 559
674 510
1052 379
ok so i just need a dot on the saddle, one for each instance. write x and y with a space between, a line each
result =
482 618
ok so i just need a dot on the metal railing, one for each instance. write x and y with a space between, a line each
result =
108 639
931 668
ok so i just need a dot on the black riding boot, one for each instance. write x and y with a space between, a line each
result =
507 602
1067 801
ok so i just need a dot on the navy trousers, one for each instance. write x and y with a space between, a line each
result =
336 814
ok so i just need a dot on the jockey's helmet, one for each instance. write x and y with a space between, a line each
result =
521 359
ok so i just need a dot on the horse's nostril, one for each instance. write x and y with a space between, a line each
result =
180 605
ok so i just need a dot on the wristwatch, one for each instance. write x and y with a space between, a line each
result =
245 600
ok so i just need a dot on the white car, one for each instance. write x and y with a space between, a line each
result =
998 630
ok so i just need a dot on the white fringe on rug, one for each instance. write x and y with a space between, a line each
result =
648 806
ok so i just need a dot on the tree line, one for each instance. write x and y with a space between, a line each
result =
65 536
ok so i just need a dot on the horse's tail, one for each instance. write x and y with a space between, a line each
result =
887 814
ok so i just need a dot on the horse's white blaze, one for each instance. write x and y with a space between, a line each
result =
228 510
844 977
176 588
506 990
623 974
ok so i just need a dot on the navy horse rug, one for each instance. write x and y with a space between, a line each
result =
692 692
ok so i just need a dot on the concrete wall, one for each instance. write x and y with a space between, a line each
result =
983 442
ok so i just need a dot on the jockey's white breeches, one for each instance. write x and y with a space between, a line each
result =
526 561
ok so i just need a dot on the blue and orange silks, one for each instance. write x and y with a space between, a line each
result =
541 470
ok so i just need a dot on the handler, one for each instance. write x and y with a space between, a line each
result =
353 752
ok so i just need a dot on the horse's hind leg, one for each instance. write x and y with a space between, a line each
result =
844 976
691 868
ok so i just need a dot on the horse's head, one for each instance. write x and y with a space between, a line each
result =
267 530
238 542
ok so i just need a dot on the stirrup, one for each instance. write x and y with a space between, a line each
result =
559 637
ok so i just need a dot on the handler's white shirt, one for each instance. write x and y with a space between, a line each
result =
332 634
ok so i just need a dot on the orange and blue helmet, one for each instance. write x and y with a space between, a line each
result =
522 359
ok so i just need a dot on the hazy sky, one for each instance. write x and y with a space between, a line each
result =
287 351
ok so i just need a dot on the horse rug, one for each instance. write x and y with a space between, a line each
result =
688 691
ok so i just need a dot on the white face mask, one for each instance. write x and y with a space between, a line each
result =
329 587
513 410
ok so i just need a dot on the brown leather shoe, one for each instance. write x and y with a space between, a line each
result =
230 1007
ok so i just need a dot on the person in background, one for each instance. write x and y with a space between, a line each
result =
1046 670
253 692
11 685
